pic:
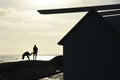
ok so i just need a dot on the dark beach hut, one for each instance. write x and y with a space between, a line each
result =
92 48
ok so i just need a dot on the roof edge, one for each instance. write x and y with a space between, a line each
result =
61 42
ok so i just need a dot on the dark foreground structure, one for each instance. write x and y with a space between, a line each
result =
92 47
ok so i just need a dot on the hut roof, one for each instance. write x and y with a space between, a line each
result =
112 21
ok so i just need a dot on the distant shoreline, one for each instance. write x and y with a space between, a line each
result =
11 58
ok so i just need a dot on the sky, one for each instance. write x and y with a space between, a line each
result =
21 26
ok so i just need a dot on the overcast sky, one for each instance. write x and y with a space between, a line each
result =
21 26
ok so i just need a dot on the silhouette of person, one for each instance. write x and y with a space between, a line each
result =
35 50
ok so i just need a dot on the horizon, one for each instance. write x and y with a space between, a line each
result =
11 58
37 55
21 26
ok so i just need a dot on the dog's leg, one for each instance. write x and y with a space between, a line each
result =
28 57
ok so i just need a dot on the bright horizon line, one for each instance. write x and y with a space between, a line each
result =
38 54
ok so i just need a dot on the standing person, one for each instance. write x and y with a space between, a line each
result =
35 50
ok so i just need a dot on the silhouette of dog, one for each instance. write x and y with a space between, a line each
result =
27 54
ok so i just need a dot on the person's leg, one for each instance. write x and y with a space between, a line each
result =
35 56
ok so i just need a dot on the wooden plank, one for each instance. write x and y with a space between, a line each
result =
107 13
79 9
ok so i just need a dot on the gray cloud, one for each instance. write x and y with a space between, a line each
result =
20 24
7 11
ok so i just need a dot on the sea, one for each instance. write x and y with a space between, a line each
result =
14 58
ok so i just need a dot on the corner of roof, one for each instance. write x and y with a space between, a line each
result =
91 11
